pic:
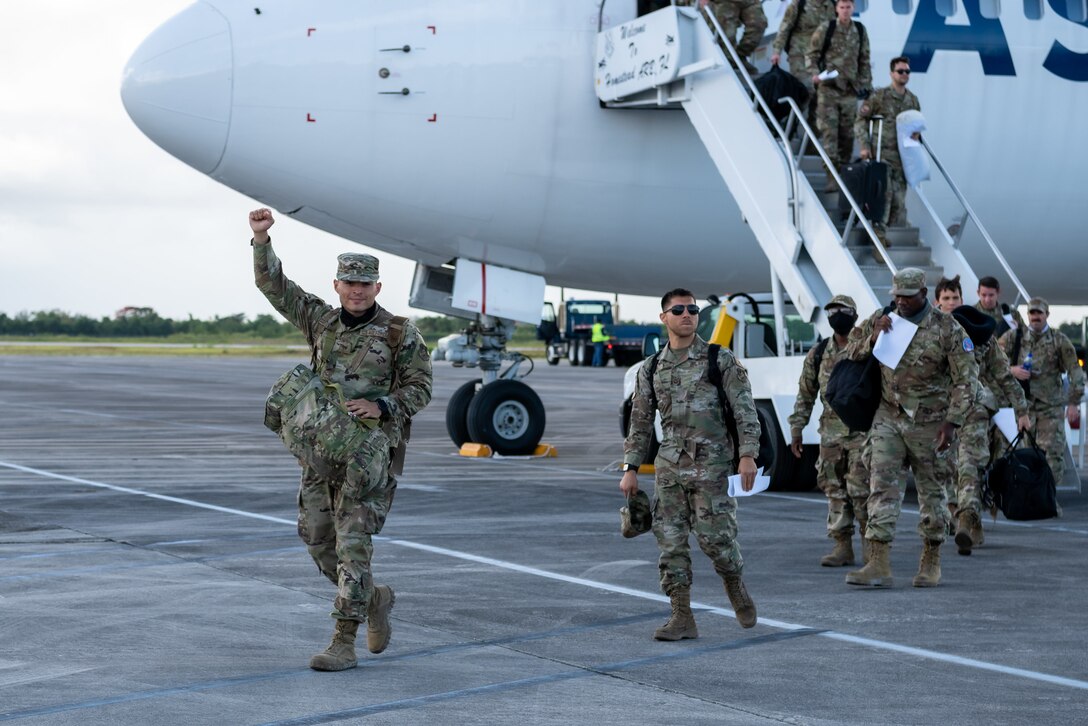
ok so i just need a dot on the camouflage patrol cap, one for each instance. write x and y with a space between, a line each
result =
1039 304
908 281
355 267
844 301
636 518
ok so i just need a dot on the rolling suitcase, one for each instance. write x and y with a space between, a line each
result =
867 181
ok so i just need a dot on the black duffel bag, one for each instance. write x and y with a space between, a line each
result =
1020 483
853 391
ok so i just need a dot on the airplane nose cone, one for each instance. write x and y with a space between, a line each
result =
177 86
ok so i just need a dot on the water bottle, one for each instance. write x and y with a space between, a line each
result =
1027 362
1026 385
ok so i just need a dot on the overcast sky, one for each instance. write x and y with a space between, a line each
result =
94 216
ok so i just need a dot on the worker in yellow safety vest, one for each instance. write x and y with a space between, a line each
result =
598 337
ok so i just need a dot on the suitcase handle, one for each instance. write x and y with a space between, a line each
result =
879 134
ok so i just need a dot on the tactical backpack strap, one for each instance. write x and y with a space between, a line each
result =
321 344
818 359
796 20
651 367
820 64
714 375
861 41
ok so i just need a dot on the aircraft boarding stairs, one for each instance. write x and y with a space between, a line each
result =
675 57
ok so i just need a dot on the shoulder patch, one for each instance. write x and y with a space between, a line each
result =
968 346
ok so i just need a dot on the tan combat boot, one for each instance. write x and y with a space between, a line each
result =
865 548
877 572
681 624
843 554
968 532
741 601
378 629
929 566
340 655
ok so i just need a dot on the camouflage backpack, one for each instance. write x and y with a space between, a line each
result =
309 414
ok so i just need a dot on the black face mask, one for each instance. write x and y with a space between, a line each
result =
842 323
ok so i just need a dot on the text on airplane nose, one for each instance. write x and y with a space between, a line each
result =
177 86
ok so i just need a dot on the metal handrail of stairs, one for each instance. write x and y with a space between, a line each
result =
856 215
968 214
758 104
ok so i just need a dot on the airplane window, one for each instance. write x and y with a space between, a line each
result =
1076 10
947 8
860 6
1033 9
990 9
902 7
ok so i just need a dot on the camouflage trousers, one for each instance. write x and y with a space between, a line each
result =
692 497
898 442
972 455
1048 425
842 473
799 70
835 113
895 197
732 14
339 508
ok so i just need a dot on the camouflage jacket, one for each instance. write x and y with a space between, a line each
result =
358 361
1051 355
812 384
934 381
996 386
887 103
999 317
691 414
842 56
798 27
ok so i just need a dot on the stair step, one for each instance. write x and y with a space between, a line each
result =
901 256
811 162
896 236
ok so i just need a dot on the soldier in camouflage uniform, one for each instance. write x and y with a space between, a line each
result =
801 20
995 384
989 292
923 401
887 103
842 472
731 15
694 461
342 505
836 99
1049 406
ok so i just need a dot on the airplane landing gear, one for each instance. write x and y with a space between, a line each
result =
498 410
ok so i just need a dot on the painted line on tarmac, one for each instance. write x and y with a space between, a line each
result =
606 587
588 671
218 683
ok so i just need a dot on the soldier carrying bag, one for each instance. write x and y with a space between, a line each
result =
1020 483
311 417
854 390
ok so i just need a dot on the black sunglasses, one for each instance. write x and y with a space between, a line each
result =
679 309
903 71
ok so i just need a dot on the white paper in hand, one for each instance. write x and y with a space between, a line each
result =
828 75
1005 420
761 484
1010 320
890 346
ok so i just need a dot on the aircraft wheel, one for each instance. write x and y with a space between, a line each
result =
457 412
508 416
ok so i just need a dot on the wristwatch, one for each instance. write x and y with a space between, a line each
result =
630 467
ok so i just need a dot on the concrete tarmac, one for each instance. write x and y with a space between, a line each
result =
150 573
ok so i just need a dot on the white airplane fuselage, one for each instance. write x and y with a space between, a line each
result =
485 140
